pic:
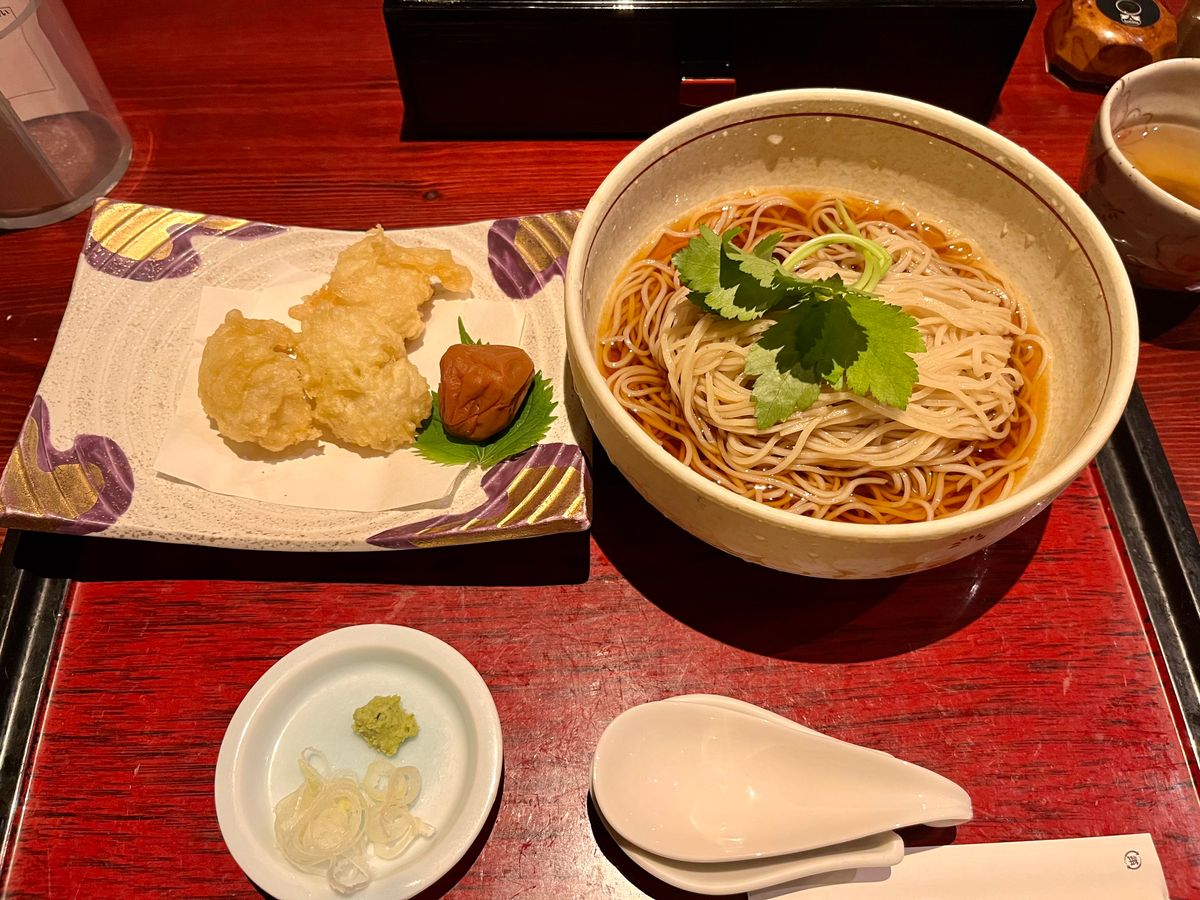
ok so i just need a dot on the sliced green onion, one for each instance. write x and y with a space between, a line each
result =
847 222
876 260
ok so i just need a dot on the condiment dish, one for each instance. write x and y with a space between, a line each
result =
307 699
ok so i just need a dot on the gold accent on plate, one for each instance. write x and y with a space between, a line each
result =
541 493
542 239
538 494
66 492
140 233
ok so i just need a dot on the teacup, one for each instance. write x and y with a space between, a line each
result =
1156 233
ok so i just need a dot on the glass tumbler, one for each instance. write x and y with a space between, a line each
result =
62 141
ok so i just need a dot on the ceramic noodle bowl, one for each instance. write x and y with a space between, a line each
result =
1017 213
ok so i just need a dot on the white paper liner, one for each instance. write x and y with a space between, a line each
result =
330 476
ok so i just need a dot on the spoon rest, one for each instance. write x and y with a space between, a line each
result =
707 782
742 876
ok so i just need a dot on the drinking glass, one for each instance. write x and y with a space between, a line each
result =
62 141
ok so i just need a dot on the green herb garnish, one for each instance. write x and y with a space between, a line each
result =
728 281
527 429
463 337
825 331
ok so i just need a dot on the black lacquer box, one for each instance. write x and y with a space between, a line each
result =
625 68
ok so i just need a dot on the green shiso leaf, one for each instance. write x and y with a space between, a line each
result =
463 337
527 429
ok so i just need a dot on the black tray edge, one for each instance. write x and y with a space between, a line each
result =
31 608
1162 548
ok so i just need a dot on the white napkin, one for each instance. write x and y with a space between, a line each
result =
1116 867
329 477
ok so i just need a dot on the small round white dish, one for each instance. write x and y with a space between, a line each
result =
307 699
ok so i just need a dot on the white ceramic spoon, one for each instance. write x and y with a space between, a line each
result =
741 877
735 705
701 782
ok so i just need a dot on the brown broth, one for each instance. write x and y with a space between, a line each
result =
657 411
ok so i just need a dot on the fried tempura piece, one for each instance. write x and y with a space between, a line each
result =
357 374
391 281
251 387
432 261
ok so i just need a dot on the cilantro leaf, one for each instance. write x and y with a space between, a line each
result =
766 245
851 340
817 288
727 280
820 336
527 429
699 265
825 331
778 390
884 369
760 266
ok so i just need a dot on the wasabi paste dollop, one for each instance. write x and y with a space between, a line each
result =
385 724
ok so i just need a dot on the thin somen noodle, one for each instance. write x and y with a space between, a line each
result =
966 436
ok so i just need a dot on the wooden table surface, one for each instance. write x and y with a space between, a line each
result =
1023 672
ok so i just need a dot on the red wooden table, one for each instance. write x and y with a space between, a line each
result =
1025 672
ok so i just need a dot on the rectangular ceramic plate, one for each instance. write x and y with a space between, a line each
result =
84 462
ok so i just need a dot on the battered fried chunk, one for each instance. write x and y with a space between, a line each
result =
363 387
251 387
391 281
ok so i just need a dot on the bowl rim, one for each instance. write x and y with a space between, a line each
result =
1031 494
1106 134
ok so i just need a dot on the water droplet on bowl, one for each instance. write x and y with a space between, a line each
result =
775 139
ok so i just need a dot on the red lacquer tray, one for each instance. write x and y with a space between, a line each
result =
1027 673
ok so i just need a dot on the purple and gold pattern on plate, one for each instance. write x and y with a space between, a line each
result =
83 489
525 253
545 490
148 243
